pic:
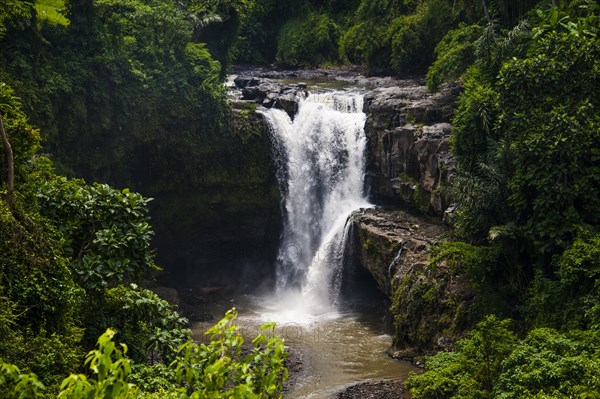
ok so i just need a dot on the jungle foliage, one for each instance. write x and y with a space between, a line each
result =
71 254
492 363
526 135
383 36
214 370
122 92
130 93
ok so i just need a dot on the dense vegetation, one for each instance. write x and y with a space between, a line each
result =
526 134
383 36
116 97
131 94
70 254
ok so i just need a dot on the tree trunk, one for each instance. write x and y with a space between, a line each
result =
486 10
10 167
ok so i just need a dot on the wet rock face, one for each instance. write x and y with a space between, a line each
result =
223 230
408 133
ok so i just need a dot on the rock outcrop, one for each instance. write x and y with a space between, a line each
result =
389 241
271 94
408 129
408 134
432 304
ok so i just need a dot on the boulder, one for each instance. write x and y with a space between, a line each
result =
272 94
245 81
288 102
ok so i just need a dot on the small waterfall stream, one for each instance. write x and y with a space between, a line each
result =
320 159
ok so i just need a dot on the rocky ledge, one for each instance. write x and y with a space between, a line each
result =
390 242
408 128
271 94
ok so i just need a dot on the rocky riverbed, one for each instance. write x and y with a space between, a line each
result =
384 389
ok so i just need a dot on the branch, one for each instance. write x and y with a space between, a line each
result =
10 167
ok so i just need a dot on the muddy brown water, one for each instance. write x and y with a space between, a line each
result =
337 349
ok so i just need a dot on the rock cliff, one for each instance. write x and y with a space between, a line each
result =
222 230
408 134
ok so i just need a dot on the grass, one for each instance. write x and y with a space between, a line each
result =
49 11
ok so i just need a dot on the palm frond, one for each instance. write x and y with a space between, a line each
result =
487 43
202 21
513 39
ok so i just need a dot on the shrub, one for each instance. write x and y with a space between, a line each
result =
367 43
24 138
215 370
454 54
493 363
106 230
151 328
383 10
579 273
550 364
51 356
471 370
461 257
473 121
16 385
219 367
384 40
549 102
111 369
309 41
413 37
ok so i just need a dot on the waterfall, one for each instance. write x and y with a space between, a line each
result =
320 163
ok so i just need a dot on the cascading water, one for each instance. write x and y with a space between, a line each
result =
320 156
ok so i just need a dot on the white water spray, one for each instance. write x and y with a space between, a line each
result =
320 157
